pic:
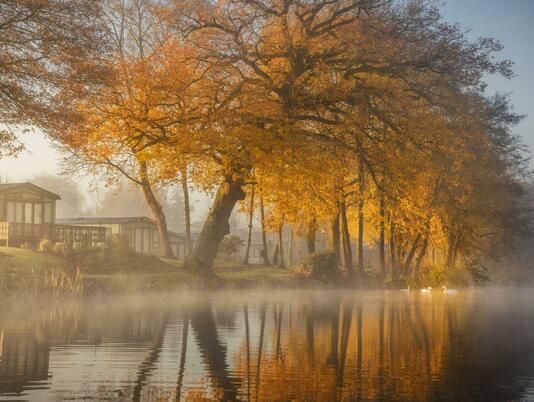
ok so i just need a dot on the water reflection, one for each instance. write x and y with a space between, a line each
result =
303 346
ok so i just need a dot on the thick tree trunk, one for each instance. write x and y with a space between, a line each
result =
216 226
382 241
157 211
347 248
280 248
310 238
187 215
250 220
264 235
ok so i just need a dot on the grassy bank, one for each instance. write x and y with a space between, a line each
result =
109 272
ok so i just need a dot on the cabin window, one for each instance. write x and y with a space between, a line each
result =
138 237
28 212
38 214
146 240
47 212
18 212
10 212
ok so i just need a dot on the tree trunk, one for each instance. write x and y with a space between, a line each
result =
347 248
275 254
290 249
411 254
264 235
382 242
455 250
216 226
157 211
310 239
451 250
250 220
360 219
281 262
392 247
187 215
419 260
334 236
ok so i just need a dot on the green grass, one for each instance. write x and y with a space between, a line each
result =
23 261
19 269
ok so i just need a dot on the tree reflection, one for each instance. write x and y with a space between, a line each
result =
212 350
338 348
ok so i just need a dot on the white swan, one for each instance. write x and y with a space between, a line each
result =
450 292
426 290
407 290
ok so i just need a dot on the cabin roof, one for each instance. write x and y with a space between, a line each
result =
8 187
104 220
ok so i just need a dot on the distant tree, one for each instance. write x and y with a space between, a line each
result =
72 203
174 209
123 200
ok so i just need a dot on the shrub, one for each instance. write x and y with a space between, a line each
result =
46 246
229 246
60 249
26 246
322 265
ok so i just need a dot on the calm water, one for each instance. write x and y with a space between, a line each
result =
279 346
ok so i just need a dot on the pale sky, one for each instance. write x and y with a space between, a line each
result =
512 22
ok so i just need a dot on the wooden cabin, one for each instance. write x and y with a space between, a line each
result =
140 232
28 215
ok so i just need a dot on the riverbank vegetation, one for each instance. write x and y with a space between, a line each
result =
367 120
32 272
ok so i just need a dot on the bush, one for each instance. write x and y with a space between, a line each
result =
229 246
46 246
60 249
322 265
26 246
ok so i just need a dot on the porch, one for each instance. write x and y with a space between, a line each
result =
14 234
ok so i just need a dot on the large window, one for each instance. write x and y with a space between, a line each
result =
10 212
47 212
14 212
38 214
19 208
28 212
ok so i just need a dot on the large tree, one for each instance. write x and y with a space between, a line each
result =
46 46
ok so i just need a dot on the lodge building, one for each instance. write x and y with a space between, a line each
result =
28 215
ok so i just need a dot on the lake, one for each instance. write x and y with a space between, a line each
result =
272 346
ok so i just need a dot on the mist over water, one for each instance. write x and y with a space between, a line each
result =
273 346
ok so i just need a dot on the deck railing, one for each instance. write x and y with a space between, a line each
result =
18 233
